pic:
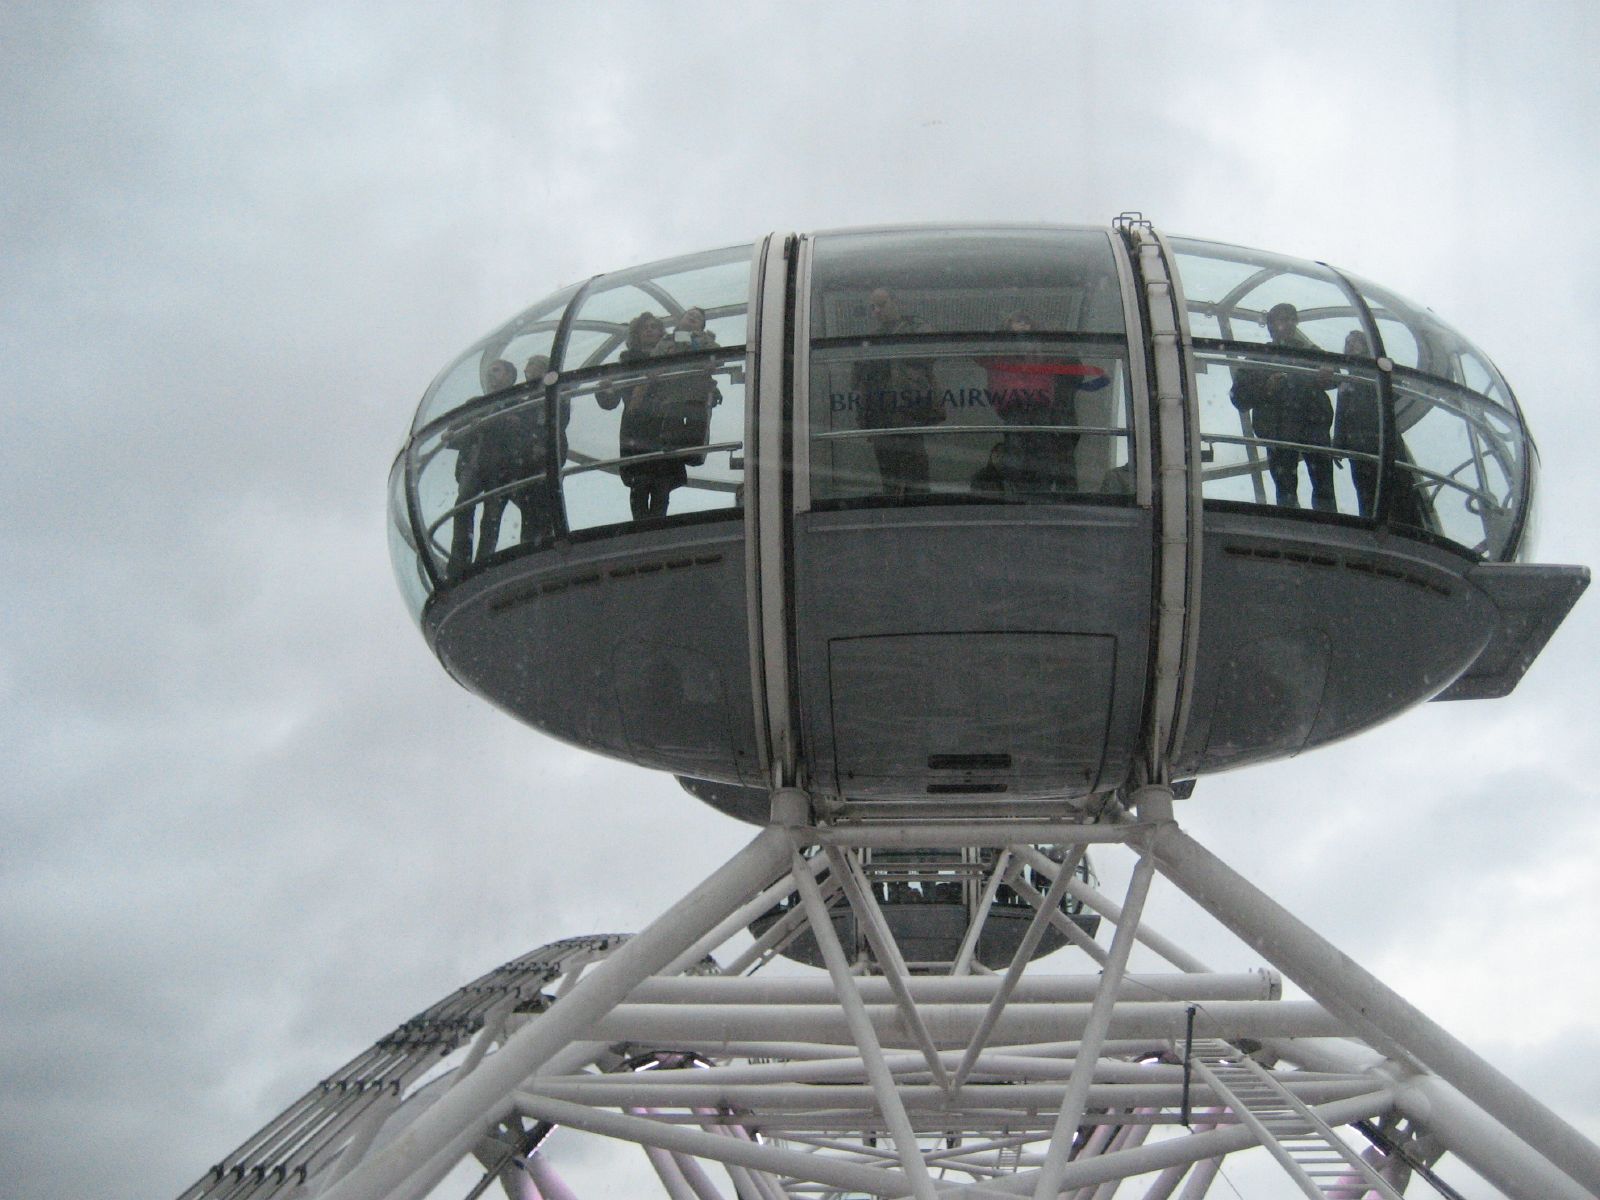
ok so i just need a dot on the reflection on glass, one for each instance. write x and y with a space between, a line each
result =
1008 420
529 333
1229 292
482 477
1413 337
963 281
661 435
716 285
403 555
1462 461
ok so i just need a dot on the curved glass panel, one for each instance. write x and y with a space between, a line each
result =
908 282
1032 420
529 333
482 478
717 283
403 556
1464 461
1230 292
659 436
1289 432
1413 337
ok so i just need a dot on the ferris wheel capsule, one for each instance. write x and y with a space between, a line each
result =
971 520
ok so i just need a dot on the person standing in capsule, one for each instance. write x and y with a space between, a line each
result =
649 482
897 393
1290 405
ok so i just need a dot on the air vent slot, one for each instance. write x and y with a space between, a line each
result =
969 762
967 789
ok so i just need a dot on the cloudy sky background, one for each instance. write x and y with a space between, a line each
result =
250 825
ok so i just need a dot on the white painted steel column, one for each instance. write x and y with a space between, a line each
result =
1111 911
1057 918
1094 1034
859 894
954 835
894 1113
671 1177
1373 1010
1167 1182
736 921
1205 1174
550 1184
1157 1156
991 887
953 1025
878 1181
1482 1142
1137 987
762 1181
1019 963
695 1176
424 1153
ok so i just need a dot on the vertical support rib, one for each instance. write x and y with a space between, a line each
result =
1373 1010
1094 1034
453 1124
991 887
894 1112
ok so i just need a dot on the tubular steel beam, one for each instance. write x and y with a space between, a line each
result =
424 1152
879 1181
1019 963
957 835
1372 1010
952 1025
1095 1031
859 893
864 1035
964 989
991 888
1112 911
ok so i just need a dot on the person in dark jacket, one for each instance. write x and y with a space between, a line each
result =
1038 393
684 398
1358 426
475 465
897 393
650 483
1358 430
1290 406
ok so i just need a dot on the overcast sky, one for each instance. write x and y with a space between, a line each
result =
249 823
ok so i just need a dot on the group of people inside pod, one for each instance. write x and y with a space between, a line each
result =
1034 395
500 455
500 462
1291 410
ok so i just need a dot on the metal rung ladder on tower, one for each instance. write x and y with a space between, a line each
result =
1308 1149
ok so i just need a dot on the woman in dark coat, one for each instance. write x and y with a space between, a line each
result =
649 483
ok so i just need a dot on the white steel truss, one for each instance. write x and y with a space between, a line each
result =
934 1080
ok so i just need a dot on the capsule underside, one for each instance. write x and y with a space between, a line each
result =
956 519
